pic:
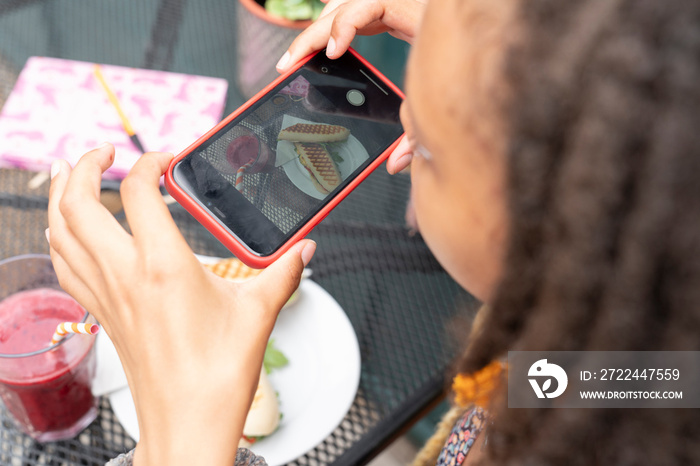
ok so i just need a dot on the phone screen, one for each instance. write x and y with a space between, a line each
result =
269 170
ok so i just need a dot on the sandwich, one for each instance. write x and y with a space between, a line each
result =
234 270
264 414
314 132
321 167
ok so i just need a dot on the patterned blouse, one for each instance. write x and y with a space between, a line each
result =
460 440
244 457
462 437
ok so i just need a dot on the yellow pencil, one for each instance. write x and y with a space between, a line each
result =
122 116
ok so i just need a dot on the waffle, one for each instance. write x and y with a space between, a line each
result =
321 167
306 132
233 269
236 271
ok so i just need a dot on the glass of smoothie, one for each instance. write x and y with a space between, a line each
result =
46 388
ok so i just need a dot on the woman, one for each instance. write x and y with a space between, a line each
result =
554 154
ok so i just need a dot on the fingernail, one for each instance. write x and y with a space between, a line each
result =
403 162
48 236
330 48
283 61
308 252
55 168
104 144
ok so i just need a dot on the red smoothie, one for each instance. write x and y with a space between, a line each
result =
49 393
247 148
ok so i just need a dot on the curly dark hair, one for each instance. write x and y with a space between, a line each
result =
603 170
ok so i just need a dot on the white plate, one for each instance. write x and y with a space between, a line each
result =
316 389
351 151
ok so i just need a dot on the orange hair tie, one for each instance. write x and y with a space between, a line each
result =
478 387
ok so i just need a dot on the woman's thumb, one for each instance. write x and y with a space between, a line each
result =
278 281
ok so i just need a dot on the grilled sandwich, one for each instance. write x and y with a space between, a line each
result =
308 132
236 271
233 269
318 162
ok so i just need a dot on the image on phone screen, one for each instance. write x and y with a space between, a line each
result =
269 170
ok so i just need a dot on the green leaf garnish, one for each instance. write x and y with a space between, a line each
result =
273 359
332 149
295 10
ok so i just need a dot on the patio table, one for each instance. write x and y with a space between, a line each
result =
399 300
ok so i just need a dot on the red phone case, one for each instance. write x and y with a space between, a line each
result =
221 233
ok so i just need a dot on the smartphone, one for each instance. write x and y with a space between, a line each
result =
261 179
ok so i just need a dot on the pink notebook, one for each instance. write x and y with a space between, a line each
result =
58 109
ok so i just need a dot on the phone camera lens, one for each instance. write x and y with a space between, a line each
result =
324 69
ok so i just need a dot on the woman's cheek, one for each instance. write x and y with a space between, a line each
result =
427 200
417 190
441 216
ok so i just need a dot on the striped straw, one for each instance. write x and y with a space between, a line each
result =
239 174
64 328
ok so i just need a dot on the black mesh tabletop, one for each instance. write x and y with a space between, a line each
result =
399 300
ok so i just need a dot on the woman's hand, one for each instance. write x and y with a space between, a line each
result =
337 26
190 342
341 20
